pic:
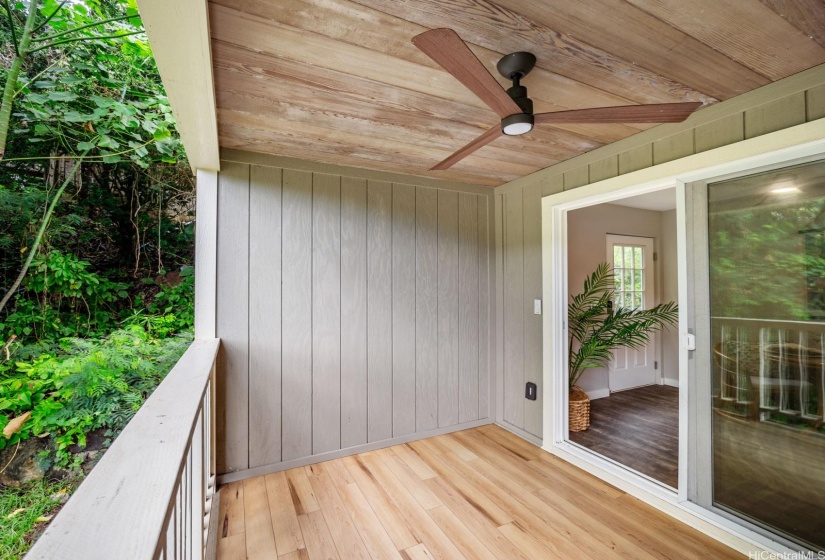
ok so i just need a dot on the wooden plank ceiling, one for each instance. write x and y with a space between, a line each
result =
338 81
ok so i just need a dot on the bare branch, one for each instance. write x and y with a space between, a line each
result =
48 19
50 45
70 31
11 25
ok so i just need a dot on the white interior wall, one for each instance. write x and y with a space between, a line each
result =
587 230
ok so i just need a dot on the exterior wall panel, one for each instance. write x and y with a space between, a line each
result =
777 106
353 311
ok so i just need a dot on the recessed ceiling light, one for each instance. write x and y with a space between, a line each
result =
785 190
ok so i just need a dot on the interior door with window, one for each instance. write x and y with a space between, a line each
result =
632 262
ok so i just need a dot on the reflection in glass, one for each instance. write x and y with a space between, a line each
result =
767 284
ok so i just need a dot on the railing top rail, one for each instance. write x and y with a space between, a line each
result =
777 323
120 509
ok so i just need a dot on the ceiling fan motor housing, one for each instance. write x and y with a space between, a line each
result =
515 66
518 93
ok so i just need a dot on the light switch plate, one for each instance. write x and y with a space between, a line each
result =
536 307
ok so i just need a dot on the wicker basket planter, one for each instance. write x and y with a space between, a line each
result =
579 409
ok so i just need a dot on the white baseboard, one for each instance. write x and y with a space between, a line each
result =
598 394
670 382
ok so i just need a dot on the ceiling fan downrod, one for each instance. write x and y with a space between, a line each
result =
515 66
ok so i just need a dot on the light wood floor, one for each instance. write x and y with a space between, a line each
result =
481 493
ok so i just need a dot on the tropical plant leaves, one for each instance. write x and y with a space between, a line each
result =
596 328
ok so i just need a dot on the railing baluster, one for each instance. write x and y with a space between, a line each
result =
197 488
190 495
787 382
184 514
170 536
821 403
179 520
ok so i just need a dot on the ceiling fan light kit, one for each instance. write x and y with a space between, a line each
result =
513 106
518 124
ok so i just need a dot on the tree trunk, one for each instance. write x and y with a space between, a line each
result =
39 237
13 76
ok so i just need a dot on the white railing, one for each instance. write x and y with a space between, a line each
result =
150 496
766 367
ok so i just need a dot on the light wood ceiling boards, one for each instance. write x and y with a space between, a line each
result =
338 81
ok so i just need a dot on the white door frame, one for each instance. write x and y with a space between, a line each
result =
796 144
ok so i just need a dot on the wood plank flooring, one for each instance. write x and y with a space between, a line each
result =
481 493
638 428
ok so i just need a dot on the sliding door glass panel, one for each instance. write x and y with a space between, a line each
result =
766 236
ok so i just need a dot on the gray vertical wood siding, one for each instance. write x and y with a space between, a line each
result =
774 107
352 311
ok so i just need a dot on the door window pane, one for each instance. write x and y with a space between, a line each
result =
767 281
628 270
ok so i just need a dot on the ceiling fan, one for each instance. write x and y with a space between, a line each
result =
446 48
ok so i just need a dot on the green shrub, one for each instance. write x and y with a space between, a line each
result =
62 297
85 385
171 310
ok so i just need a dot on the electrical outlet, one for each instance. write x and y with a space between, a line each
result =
530 391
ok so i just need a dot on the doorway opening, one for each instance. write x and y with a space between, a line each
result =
634 401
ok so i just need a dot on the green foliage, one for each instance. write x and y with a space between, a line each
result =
18 209
63 297
86 384
36 500
171 310
129 209
597 327
98 90
89 89
768 261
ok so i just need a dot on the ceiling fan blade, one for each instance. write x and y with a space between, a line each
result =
446 48
659 113
480 141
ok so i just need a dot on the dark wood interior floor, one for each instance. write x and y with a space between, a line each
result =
639 428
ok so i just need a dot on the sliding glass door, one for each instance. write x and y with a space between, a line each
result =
757 285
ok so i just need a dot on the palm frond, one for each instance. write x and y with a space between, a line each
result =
596 328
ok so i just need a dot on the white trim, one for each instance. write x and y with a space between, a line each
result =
682 296
598 394
670 382
206 253
805 141
178 32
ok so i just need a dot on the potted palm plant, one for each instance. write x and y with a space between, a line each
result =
597 328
